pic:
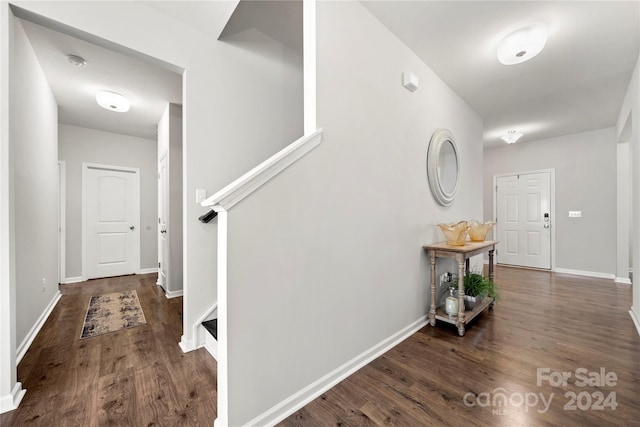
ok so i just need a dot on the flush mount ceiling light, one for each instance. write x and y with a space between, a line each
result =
522 45
112 101
76 60
511 137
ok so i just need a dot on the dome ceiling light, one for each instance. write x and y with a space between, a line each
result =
511 137
112 101
522 45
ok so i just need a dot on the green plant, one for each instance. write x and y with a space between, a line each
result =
478 284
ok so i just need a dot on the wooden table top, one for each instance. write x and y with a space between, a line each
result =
468 246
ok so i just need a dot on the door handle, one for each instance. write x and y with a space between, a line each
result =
132 227
547 226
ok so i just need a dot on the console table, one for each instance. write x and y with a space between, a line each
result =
461 254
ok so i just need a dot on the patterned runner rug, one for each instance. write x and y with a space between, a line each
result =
112 312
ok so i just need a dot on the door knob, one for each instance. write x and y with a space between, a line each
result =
132 227
546 226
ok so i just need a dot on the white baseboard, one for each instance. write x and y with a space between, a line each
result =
12 400
186 345
290 405
31 335
586 273
635 319
211 345
623 280
173 294
147 270
73 280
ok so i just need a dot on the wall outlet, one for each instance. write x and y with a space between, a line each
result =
44 285
575 214
446 277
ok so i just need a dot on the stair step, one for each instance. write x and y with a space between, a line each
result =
212 327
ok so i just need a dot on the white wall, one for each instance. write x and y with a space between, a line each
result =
585 172
272 31
78 145
631 108
34 117
170 145
326 260
11 391
230 124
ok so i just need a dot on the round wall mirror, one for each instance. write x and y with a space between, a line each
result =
443 167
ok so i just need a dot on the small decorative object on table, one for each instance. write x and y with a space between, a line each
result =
478 230
451 302
455 234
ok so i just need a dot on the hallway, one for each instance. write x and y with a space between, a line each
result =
133 377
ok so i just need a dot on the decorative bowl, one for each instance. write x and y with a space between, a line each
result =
455 234
478 230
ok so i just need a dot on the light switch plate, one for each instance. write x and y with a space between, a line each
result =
575 214
201 195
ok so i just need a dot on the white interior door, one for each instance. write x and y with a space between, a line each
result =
111 215
523 216
163 208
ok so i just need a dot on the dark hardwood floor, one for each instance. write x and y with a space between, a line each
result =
543 320
133 377
139 377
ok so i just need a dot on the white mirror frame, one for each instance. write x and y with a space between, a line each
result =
440 137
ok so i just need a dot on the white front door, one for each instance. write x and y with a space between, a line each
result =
523 216
111 214
163 199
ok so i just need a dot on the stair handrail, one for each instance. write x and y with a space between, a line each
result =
233 193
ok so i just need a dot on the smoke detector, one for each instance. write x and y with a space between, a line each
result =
76 60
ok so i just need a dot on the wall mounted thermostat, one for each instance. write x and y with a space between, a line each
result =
410 81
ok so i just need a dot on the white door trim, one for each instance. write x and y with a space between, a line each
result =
162 195
552 195
62 221
85 168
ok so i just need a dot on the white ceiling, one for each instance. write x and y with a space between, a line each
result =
577 83
208 17
148 87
